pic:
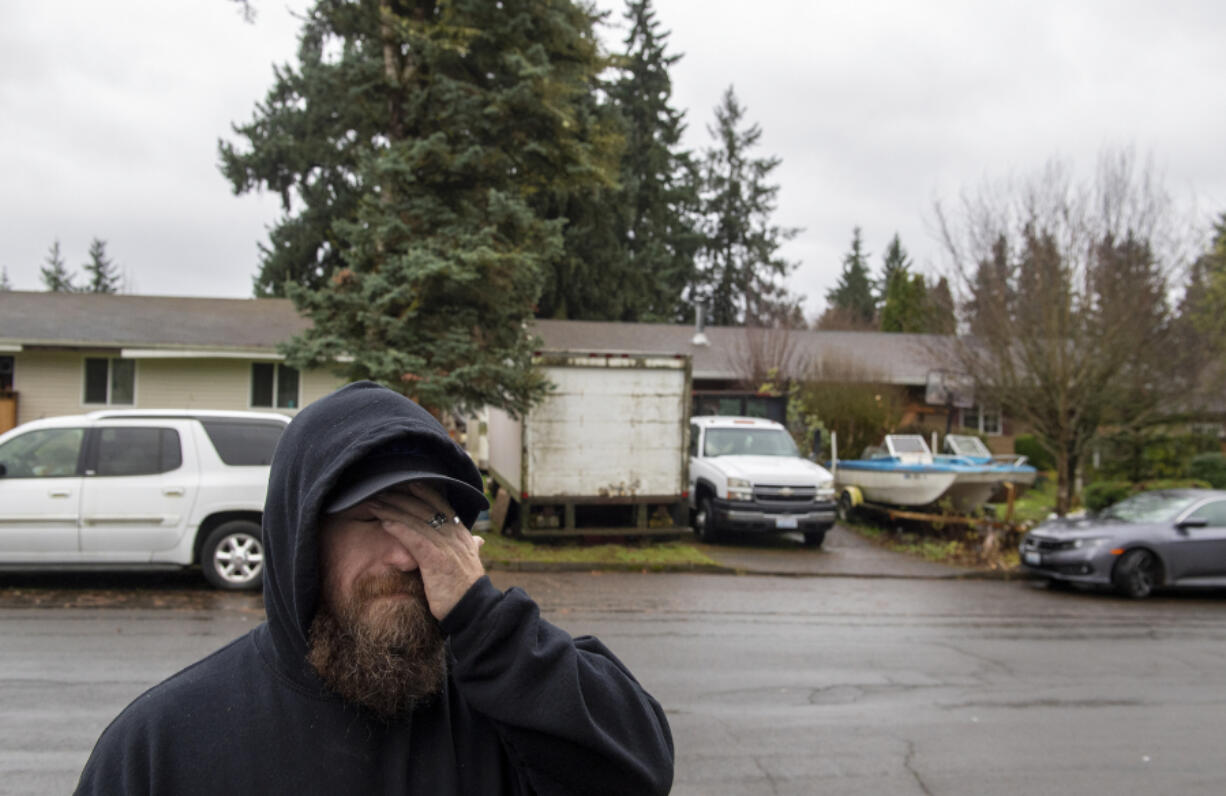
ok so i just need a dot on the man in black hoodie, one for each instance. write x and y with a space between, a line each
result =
389 663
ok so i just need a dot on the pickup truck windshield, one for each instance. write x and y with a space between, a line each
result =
748 442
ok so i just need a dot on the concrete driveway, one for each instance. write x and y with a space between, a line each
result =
843 554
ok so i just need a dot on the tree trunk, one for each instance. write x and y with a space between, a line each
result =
1064 483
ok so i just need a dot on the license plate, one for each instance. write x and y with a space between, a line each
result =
786 522
1033 559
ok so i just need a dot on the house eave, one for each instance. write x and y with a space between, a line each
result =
199 353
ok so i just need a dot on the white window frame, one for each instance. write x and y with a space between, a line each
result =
276 388
110 381
986 421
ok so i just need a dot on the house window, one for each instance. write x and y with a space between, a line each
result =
6 373
110 381
983 420
274 385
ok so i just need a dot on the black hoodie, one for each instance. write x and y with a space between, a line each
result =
525 709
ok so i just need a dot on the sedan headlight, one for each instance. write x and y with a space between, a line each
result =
740 489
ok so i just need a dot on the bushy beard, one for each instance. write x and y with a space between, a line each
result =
386 654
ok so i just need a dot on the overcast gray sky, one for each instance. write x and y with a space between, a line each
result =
110 114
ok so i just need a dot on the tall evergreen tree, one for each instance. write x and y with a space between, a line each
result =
5 284
55 275
101 274
990 288
904 295
1204 303
851 302
659 197
942 311
739 267
423 139
893 261
590 279
906 304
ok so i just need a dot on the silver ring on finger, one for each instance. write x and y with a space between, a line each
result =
437 520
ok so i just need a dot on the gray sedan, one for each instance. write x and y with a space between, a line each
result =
1173 537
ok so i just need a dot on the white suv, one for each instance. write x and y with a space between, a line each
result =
746 475
139 489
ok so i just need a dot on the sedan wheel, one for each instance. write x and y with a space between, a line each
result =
1137 573
233 556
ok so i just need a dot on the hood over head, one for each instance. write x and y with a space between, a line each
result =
360 424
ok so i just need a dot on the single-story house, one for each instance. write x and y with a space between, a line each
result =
66 353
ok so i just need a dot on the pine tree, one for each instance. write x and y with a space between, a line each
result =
904 305
894 260
905 308
659 196
55 275
990 288
942 315
851 303
739 268
426 142
100 272
591 279
5 284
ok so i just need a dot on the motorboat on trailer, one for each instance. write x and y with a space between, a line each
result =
904 472
1008 468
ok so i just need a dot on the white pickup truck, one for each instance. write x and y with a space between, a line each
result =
746 475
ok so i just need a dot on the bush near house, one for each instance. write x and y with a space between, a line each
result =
1101 494
1145 455
1210 467
1028 445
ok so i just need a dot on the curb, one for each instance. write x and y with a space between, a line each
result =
720 569
606 566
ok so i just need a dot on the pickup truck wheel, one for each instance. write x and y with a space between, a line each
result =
704 521
815 538
233 556
845 509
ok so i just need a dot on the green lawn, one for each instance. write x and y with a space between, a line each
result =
503 551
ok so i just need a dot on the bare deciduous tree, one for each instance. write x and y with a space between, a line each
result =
1065 289
761 355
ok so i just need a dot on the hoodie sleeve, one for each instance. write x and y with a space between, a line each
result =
572 717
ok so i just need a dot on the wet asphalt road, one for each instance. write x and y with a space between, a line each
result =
773 685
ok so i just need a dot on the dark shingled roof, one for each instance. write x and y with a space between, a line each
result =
114 321
874 356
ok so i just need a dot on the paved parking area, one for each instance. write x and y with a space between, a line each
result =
844 553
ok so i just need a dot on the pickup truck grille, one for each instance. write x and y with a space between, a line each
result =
784 494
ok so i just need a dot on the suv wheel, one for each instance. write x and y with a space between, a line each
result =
233 556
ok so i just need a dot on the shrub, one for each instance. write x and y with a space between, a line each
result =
1099 495
1028 445
1150 453
1172 483
1209 467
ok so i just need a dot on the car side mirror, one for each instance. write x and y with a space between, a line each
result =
1192 523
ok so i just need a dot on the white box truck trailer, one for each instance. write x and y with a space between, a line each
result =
603 454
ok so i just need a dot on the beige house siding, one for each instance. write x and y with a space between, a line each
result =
50 383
